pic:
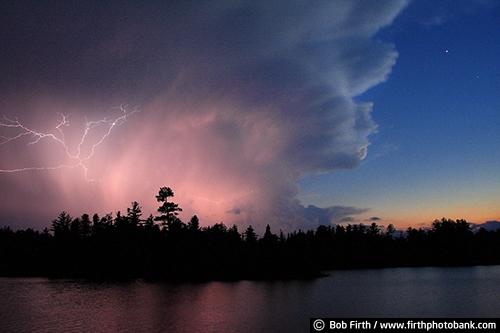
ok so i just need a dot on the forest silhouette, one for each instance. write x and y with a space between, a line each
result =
163 247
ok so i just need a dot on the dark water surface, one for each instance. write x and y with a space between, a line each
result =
43 305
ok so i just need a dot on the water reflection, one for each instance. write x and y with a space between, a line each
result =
43 305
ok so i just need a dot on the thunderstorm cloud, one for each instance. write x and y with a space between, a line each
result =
238 100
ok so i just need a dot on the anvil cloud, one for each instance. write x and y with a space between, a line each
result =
238 100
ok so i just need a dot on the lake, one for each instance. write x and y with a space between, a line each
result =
44 305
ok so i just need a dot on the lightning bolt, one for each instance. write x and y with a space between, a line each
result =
77 159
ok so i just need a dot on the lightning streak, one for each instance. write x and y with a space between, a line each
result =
77 159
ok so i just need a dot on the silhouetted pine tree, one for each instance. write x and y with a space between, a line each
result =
128 247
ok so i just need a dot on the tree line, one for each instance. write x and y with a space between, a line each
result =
164 247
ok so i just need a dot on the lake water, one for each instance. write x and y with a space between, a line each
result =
43 305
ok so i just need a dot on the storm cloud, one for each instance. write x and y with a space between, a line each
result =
238 100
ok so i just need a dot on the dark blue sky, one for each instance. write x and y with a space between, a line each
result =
436 150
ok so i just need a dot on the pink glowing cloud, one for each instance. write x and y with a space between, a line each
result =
238 100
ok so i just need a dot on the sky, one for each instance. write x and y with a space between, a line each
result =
292 113
438 121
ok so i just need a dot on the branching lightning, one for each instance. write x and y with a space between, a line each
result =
75 160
